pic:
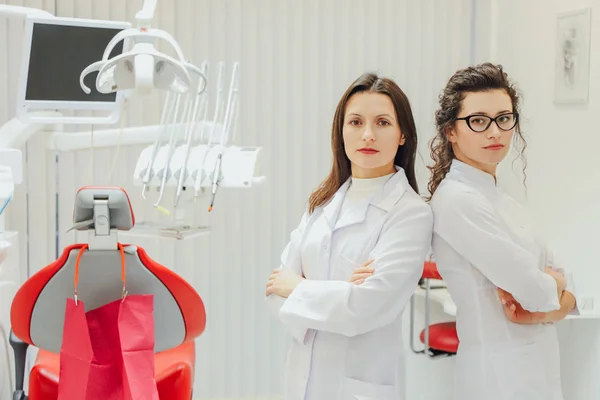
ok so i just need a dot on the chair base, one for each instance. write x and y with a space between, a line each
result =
19 395
174 374
433 353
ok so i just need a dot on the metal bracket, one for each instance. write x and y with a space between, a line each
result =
101 237
101 216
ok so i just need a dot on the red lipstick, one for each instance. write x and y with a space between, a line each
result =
368 150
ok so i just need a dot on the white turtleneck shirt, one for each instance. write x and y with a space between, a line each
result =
361 190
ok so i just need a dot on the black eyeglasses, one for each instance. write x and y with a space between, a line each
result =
480 122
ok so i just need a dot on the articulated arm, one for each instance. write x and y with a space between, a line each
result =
146 14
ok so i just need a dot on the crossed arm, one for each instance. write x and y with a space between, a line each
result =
529 295
365 303
515 312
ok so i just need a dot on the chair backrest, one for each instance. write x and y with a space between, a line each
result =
37 313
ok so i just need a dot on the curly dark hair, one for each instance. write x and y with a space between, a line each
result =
478 78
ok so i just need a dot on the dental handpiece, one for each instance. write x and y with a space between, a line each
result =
215 182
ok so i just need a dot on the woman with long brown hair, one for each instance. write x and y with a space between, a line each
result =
354 261
506 284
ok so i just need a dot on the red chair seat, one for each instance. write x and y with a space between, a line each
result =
174 374
442 337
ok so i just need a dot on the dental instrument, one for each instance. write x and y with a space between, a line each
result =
163 172
199 103
201 171
232 96
147 167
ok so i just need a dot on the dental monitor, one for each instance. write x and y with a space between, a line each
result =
55 52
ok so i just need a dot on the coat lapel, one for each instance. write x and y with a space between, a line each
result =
384 199
332 209
392 191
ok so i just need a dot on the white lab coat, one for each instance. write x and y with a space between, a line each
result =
483 240
347 338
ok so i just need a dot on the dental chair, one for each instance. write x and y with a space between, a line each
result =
440 339
37 312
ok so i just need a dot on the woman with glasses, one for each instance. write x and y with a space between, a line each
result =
506 285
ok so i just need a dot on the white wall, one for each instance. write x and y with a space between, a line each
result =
562 181
297 58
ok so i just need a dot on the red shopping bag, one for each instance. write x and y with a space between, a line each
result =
136 335
108 353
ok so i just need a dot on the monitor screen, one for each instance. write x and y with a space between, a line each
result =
58 55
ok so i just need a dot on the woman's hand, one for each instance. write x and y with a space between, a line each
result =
517 314
361 273
561 281
282 282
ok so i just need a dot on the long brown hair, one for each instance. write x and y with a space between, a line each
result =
478 78
405 157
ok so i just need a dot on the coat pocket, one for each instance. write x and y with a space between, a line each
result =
353 389
528 371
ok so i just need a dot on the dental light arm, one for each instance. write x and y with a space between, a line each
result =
146 14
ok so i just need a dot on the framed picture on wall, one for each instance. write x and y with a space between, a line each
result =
572 71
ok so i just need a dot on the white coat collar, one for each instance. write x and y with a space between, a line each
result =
385 198
472 176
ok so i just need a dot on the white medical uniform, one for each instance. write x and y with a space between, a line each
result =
348 338
483 240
